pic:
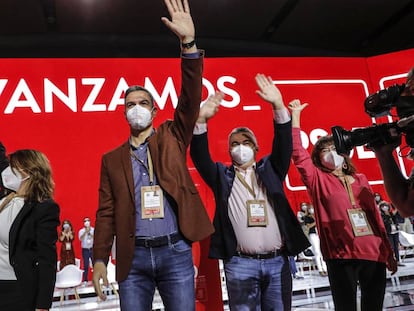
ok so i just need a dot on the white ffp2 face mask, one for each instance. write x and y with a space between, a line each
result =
332 160
242 154
139 117
11 180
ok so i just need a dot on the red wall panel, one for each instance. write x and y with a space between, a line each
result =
72 110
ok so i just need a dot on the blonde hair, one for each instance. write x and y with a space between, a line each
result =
40 185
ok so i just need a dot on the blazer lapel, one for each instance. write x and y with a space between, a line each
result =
127 168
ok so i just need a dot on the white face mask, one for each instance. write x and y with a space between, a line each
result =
11 181
311 211
66 226
304 208
242 154
87 223
332 160
139 117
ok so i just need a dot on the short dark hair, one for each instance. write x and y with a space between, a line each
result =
135 88
317 149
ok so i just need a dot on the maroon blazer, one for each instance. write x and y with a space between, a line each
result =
168 147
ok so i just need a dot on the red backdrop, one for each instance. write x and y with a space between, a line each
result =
72 110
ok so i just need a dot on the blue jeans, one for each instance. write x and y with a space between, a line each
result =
259 284
86 254
169 268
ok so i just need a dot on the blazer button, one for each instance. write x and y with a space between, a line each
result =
131 235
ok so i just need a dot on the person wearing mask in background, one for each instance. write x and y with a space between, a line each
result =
256 229
67 253
309 220
354 242
300 216
389 217
147 197
29 218
86 236
400 189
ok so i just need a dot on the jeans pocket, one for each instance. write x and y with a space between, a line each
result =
181 246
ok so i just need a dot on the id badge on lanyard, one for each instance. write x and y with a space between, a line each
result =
257 213
359 222
152 203
357 216
152 197
256 209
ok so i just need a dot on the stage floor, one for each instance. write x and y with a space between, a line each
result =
310 293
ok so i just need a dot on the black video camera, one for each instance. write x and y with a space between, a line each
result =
376 105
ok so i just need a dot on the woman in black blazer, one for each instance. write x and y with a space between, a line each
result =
28 233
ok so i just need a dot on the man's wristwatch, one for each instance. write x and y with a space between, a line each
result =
188 45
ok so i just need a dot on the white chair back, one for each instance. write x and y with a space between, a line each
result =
69 276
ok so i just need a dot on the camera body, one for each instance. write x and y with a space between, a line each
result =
377 105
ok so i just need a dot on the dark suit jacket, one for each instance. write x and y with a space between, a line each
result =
168 147
32 252
271 170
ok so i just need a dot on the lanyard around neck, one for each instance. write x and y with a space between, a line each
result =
245 184
150 168
347 184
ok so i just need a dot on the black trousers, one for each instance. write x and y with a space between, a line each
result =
11 298
344 277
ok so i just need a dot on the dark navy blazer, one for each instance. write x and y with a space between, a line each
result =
271 170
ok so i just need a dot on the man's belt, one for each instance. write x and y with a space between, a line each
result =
158 241
268 255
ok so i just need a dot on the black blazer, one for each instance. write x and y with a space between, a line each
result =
32 252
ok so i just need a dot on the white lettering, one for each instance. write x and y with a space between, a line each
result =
305 139
210 88
315 134
3 83
23 97
69 100
227 91
22 89
90 104
117 98
364 153
168 91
